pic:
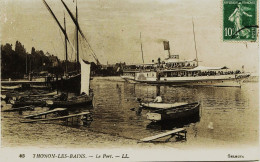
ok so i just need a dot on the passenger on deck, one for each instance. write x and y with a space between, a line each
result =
158 99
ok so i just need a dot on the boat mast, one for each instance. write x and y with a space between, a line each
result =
80 31
66 51
195 43
142 48
58 23
26 65
77 37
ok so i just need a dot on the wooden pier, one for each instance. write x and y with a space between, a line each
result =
46 113
180 133
20 81
82 116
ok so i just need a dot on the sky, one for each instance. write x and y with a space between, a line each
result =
113 29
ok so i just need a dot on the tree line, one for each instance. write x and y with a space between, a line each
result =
16 63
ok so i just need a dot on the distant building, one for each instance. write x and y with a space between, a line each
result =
54 60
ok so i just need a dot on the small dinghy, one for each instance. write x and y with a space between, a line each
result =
11 87
81 100
156 106
24 108
177 112
44 94
39 86
20 103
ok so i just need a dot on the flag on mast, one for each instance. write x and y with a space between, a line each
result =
166 45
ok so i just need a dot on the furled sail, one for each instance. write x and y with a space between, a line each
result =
85 77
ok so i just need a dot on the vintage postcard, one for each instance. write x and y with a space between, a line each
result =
129 80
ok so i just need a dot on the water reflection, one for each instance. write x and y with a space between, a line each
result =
172 124
223 106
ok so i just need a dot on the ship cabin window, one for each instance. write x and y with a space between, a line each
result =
129 74
172 65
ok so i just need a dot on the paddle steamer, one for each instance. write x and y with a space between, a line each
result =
183 72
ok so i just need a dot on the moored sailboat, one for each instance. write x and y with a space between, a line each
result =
72 78
86 96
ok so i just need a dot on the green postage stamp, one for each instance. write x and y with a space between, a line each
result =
240 20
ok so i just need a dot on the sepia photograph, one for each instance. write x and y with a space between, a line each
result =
129 80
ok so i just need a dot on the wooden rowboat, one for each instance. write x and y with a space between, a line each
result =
20 109
156 106
178 112
27 103
81 100
11 87
44 94
39 86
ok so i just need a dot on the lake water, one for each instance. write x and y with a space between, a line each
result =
228 116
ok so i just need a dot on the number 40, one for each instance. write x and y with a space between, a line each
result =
228 31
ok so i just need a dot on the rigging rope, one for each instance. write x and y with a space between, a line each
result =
80 31
63 42
55 18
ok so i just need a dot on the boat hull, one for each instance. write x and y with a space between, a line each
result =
218 81
78 101
129 79
173 114
65 84
156 106
28 103
11 87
